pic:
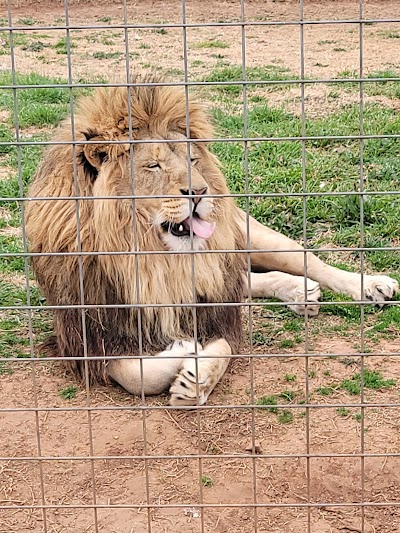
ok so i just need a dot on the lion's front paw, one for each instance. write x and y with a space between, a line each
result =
313 295
186 390
379 289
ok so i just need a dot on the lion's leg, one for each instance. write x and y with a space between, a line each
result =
156 373
196 381
376 288
287 288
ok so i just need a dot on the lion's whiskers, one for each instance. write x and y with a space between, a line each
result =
156 222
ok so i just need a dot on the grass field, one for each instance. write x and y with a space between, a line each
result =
273 167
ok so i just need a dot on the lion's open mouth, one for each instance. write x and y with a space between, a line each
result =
201 228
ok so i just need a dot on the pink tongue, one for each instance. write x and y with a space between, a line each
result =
201 228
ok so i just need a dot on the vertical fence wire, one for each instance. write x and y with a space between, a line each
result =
362 267
136 262
248 258
192 260
305 256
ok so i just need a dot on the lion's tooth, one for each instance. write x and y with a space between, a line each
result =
181 227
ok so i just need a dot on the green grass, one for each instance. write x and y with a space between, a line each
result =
372 88
285 417
372 380
325 391
211 44
36 106
61 46
235 74
268 400
14 324
286 343
34 46
11 264
388 34
386 88
107 55
104 19
287 395
206 481
27 21
259 339
12 295
30 156
14 343
69 393
18 39
5 369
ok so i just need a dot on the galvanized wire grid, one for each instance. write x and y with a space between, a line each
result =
144 408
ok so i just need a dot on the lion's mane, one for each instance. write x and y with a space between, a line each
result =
114 225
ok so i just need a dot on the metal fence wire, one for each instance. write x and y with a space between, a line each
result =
301 433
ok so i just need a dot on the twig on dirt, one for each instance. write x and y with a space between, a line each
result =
219 518
45 417
384 463
173 421
101 393
303 498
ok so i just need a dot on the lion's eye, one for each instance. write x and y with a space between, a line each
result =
194 160
153 164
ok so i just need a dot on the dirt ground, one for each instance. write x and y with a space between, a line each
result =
315 458
221 437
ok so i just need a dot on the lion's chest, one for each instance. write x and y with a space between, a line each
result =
180 279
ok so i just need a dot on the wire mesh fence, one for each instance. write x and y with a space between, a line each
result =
119 224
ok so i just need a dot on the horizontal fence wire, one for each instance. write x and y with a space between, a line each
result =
238 83
250 355
196 407
129 26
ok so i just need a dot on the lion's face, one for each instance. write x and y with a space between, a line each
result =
161 169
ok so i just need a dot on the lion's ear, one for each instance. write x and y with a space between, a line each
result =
94 153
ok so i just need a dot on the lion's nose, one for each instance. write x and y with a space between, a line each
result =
196 192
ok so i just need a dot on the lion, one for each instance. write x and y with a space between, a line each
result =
143 247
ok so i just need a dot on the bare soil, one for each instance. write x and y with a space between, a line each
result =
221 434
318 451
